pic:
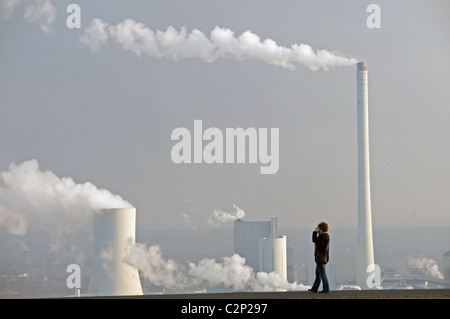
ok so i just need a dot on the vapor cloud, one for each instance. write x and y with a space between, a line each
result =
430 266
7 7
42 12
222 43
31 197
159 271
230 272
219 216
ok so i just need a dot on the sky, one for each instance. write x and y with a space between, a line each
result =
101 108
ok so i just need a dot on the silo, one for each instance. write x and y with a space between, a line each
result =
273 255
114 235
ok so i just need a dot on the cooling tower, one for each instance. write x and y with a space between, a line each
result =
365 257
114 233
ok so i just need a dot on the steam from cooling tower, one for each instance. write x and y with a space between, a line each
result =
230 272
222 44
31 197
159 271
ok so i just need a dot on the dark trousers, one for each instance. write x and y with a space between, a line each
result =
321 274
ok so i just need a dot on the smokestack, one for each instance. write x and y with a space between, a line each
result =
365 255
114 234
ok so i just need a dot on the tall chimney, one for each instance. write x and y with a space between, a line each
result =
114 234
365 256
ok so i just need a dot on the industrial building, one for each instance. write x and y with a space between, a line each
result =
258 242
446 259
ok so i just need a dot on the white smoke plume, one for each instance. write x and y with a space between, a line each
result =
31 197
223 43
219 216
7 7
429 265
161 272
231 272
41 11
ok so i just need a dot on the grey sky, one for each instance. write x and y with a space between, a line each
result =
107 116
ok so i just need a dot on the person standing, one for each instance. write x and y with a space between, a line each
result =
321 241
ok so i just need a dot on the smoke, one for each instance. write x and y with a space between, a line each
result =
7 7
31 197
161 272
221 217
43 12
40 11
194 217
230 272
222 44
428 265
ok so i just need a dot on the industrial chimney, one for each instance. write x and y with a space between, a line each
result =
114 234
365 257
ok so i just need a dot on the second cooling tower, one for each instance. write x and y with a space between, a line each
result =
114 235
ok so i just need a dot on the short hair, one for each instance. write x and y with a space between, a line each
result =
323 226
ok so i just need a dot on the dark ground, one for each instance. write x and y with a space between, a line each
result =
342 294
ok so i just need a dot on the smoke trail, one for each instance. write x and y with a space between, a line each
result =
223 43
40 11
231 272
221 217
159 271
7 7
429 265
30 197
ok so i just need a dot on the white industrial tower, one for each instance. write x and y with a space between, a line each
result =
114 234
365 257
273 255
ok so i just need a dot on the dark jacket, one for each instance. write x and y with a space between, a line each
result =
321 247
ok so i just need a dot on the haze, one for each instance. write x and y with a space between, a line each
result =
106 117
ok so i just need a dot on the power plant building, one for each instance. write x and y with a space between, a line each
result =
258 242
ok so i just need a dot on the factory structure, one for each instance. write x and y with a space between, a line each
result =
114 234
258 242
